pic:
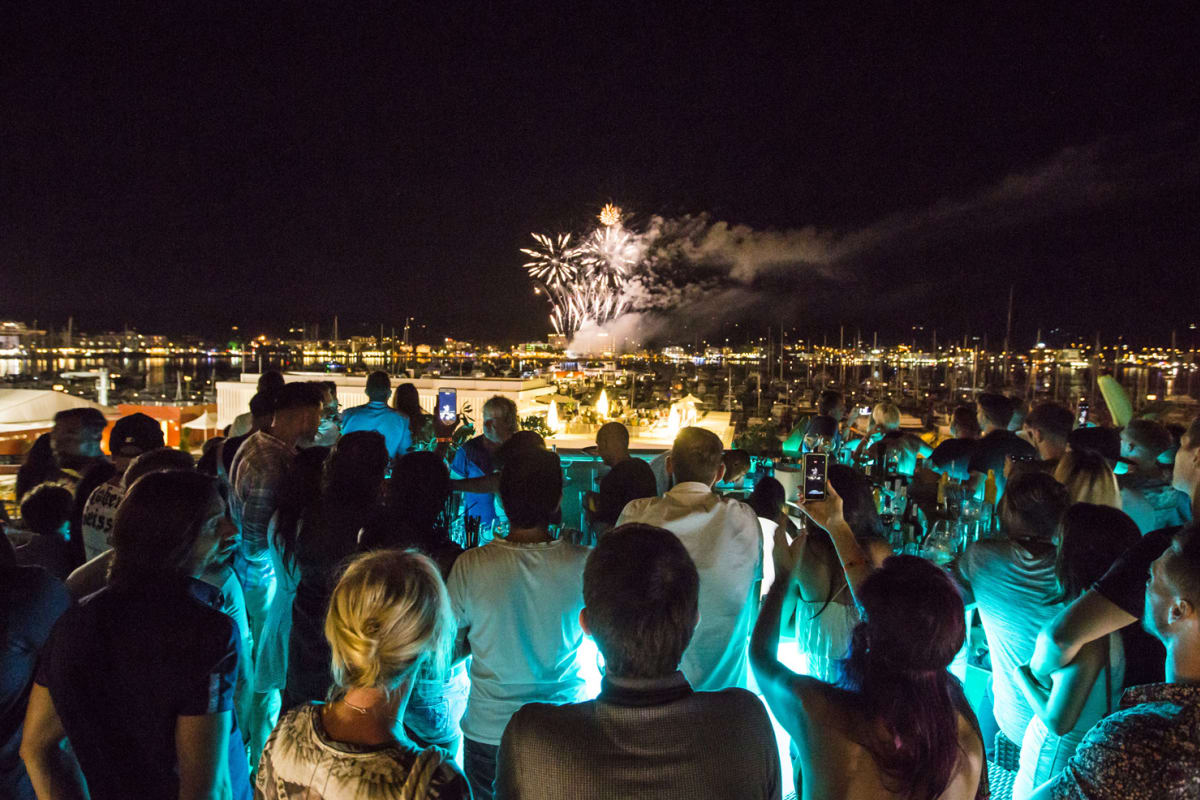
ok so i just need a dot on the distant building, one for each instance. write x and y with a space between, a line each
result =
15 335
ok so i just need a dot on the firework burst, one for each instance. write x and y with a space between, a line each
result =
554 261
586 283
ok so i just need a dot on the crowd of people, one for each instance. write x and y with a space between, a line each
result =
295 616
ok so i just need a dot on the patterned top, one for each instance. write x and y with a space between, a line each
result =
1148 750
301 762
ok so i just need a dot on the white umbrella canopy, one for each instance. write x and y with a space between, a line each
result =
40 405
205 422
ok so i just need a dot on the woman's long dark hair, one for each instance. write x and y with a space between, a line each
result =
858 508
301 489
407 401
418 497
1092 538
350 484
913 625
157 524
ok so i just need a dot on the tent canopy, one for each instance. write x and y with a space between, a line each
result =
19 406
205 422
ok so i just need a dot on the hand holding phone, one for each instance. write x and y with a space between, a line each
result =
447 405
816 467
827 512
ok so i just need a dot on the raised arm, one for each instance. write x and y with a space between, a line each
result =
1060 705
827 513
783 689
1089 617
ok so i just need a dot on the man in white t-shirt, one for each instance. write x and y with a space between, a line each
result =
724 538
517 600
131 436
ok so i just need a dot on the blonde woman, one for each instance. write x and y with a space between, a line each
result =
1088 478
389 615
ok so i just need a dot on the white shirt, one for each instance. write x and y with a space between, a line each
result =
98 514
725 540
521 603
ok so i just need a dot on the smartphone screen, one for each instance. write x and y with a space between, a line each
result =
815 467
447 406
1083 413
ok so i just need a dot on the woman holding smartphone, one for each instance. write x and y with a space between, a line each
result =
863 736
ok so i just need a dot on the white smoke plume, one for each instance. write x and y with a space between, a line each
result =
703 270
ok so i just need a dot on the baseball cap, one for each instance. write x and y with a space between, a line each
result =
135 434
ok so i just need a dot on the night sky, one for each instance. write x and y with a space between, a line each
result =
186 170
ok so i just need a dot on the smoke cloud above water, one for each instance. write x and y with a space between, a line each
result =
698 272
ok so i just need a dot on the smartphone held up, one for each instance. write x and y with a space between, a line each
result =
816 468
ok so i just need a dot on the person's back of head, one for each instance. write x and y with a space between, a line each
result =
1050 421
641 595
964 423
886 416
737 464
379 386
418 495
696 456
1105 441
828 402
133 435
822 426
157 525
1032 507
531 486
262 409
161 459
767 498
298 408
407 400
353 473
46 508
270 382
913 624
858 501
1145 440
995 410
389 614
519 442
1093 537
612 442
301 486
1088 478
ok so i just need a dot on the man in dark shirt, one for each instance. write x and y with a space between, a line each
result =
30 603
995 411
628 478
648 734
